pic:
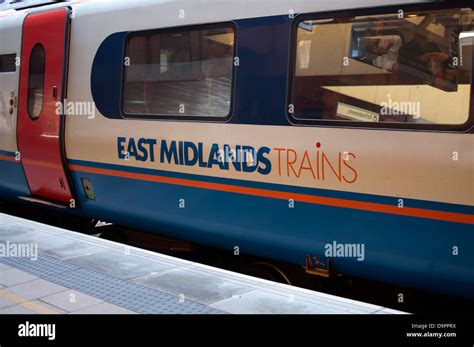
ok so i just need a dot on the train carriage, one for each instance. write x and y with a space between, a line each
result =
341 130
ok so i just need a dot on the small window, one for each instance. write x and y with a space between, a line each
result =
7 62
384 69
36 81
183 73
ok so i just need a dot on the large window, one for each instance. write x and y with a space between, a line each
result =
179 73
403 67
36 81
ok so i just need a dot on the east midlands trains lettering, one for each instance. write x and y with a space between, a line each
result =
141 150
317 164
240 158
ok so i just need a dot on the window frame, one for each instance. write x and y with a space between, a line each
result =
177 117
380 10
38 44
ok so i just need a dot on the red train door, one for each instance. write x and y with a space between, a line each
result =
43 68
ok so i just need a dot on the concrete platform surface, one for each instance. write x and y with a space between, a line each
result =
48 270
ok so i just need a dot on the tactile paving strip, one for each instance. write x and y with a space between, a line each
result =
116 291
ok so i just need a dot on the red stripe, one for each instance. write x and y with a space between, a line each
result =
7 158
312 199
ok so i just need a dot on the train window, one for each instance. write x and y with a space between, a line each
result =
36 81
179 73
407 69
7 62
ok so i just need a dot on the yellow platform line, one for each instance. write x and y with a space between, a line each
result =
33 306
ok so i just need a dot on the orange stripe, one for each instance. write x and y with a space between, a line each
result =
7 158
313 199
41 163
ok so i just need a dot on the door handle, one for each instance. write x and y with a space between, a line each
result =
55 93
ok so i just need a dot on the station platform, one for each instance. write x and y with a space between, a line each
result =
73 273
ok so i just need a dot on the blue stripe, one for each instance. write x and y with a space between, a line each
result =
431 205
8 154
261 82
12 178
106 75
